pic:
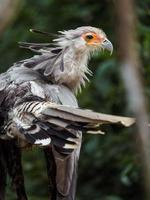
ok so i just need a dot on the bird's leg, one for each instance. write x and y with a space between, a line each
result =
51 172
3 173
2 183
14 167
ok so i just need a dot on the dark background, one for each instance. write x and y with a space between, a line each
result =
109 167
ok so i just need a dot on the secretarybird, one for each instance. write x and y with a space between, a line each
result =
38 107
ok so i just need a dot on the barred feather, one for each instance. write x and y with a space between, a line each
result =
44 122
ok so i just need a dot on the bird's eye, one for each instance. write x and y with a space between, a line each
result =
89 37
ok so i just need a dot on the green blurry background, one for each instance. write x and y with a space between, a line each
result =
109 167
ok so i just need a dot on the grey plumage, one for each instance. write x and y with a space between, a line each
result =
17 88
25 82
38 105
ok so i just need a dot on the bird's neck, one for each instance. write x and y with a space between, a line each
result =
75 69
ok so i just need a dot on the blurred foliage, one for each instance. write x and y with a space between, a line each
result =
109 167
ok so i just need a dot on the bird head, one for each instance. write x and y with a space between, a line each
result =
67 61
84 39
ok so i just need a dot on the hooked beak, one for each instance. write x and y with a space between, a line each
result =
106 44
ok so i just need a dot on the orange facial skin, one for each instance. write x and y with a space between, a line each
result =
92 38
